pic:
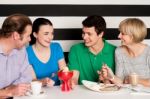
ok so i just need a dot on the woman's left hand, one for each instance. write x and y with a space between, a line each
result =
47 81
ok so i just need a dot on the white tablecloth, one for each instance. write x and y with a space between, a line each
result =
80 92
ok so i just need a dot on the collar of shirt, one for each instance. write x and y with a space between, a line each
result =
105 49
11 53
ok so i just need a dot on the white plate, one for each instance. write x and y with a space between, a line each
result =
91 85
30 94
96 86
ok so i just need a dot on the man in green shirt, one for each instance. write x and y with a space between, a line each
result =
85 59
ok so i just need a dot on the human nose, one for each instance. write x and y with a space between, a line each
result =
120 35
84 36
50 37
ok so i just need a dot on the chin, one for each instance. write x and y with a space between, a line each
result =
46 45
87 45
19 48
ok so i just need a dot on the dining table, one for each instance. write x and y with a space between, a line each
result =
81 92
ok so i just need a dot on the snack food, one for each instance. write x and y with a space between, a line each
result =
65 69
110 88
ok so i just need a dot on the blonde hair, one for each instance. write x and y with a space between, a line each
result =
135 28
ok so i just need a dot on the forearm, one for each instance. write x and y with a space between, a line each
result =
5 93
75 76
62 64
145 82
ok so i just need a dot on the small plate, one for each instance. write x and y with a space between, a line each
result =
92 85
99 87
30 93
138 88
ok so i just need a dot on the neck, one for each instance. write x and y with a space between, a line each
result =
97 47
7 47
133 52
38 47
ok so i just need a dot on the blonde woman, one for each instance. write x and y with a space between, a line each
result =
133 56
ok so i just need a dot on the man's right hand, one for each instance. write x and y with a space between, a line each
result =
74 80
18 90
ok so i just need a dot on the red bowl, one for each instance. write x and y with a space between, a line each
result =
65 75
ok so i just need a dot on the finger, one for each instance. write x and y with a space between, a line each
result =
50 82
101 78
98 72
72 86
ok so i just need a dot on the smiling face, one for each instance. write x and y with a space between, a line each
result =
125 38
90 36
132 30
45 35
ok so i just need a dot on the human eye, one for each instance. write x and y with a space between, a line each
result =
46 33
89 34
123 33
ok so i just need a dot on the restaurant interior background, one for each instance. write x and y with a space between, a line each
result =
67 16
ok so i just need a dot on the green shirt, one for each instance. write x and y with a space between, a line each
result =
82 60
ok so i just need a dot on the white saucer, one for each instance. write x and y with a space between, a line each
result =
31 94
138 88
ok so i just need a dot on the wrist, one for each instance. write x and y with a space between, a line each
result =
112 79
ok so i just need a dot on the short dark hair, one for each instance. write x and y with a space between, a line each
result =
97 21
36 26
15 22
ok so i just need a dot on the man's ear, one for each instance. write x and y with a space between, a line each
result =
101 34
16 35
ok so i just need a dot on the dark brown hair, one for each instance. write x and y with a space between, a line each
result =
97 21
15 22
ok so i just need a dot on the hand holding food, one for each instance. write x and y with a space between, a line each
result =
107 72
65 69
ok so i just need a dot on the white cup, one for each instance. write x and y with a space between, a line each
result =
134 79
36 87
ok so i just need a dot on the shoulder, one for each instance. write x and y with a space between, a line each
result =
120 50
55 44
55 47
109 45
148 50
29 47
78 46
20 52
109 48
148 47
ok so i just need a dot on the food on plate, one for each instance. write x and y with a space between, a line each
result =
100 87
109 88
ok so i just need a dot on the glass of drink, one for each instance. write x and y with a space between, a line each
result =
133 79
